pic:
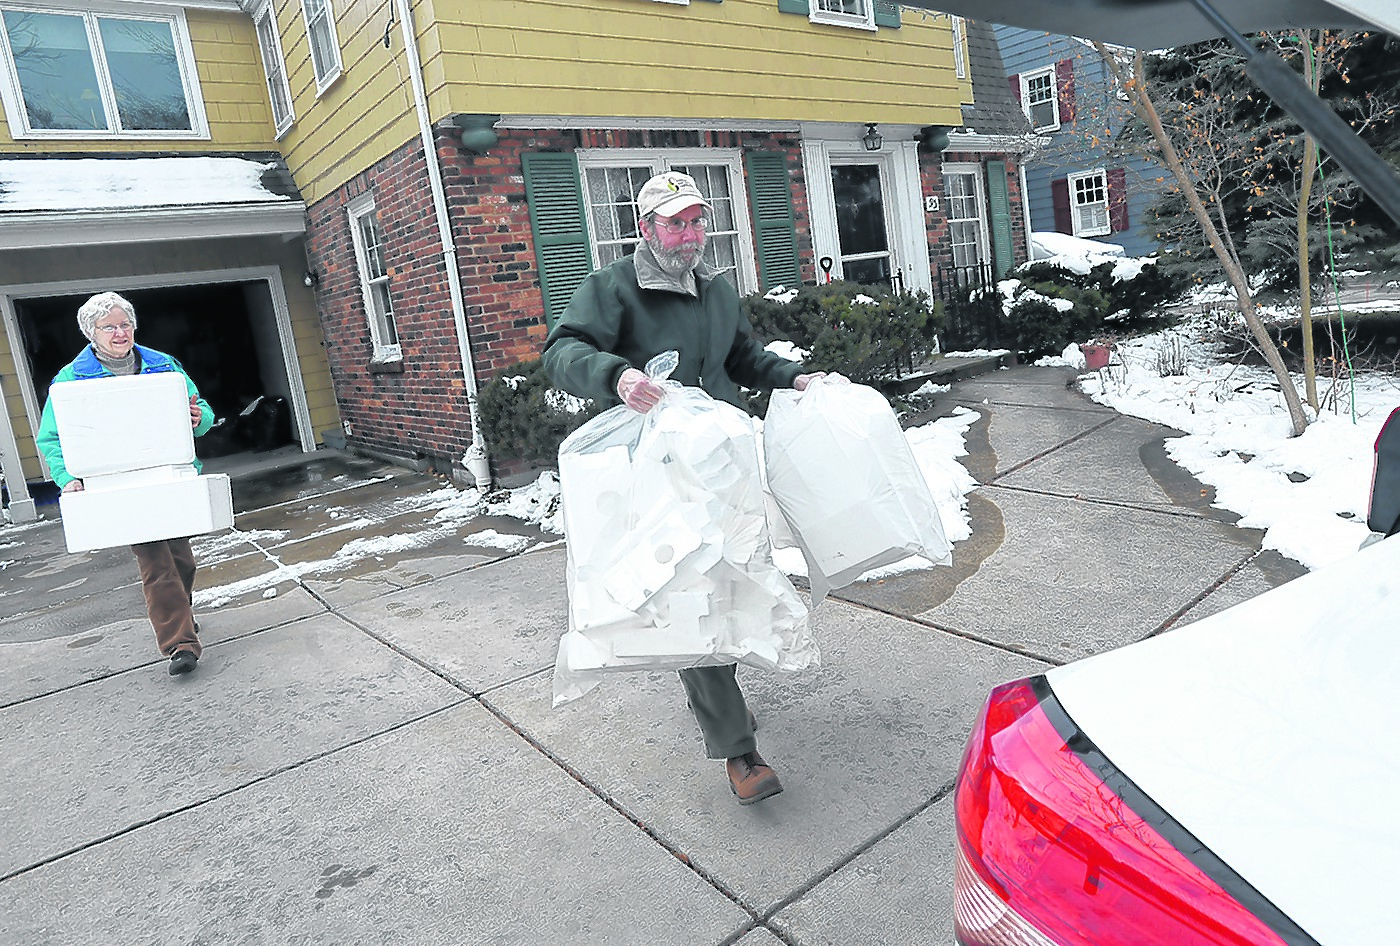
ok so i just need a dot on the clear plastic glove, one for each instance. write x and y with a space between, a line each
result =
801 381
638 391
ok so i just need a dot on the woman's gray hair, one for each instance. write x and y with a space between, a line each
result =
98 306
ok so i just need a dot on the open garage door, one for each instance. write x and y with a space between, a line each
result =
225 335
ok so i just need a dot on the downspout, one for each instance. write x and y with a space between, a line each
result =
476 459
1025 201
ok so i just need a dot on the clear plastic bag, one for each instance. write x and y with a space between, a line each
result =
669 562
841 470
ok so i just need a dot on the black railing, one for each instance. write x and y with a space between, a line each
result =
971 307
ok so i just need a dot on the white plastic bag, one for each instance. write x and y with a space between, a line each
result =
669 564
841 471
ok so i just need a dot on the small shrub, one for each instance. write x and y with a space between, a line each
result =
523 416
866 333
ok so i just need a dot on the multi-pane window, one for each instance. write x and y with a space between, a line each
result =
374 279
859 13
320 35
1040 99
270 44
611 181
965 223
90 74
1088 200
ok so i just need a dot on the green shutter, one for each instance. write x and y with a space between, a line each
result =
794 6
887 14
999 203
559 226
770 196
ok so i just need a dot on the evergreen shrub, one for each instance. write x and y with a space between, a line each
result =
523 416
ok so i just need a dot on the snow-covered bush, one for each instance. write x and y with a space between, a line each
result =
523 417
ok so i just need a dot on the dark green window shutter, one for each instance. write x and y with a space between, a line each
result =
770 196
999 204
887 14
559 226
794 6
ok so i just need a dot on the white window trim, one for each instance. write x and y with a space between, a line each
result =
659 160
1107 228
264 10
959 47
817 15
1054 96
984 239
355 211
13 98
323 82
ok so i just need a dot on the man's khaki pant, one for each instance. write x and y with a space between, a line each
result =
167 580
720 710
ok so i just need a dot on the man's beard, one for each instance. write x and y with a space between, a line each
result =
678 261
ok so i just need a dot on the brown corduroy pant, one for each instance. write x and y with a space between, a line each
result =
167 580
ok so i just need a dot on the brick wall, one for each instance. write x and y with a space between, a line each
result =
421 410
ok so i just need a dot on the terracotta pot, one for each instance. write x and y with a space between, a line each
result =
1095 356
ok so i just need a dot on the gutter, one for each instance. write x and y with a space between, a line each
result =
476 459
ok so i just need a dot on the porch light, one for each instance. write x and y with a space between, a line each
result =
872 139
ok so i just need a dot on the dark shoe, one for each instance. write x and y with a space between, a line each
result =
751 779
182 661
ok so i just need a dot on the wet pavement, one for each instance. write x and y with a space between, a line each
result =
367 751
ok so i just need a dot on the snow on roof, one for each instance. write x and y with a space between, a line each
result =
105 183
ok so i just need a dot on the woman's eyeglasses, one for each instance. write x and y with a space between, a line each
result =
119 327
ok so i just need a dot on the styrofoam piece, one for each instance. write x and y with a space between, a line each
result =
146 477
841 471
110 425
129 515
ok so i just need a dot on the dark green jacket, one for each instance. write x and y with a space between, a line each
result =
611 324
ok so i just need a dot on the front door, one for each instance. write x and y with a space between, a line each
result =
863 225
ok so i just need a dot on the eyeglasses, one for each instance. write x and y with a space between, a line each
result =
114 329
699 225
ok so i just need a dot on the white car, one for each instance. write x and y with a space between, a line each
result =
1225 782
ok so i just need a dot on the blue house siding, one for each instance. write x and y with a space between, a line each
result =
1090 115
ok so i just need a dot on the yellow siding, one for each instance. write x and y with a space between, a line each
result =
234 89
737 61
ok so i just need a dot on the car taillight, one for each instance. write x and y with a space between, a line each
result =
1050 855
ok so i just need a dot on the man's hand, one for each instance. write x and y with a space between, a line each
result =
638 391
196 412
74 486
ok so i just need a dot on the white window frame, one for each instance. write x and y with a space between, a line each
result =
818 12
658 160
1075 205
274 65
13 97
960 47
1026 79
379 322
327 12
979 193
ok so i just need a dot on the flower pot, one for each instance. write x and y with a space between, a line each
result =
1095 356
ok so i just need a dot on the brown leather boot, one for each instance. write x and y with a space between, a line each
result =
751 779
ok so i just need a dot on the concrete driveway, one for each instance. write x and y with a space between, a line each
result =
367 752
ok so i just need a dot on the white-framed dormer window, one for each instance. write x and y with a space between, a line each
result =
859 14
83 74
611 178
270 45
325 46
1040 99
960 47
374 278
1088 203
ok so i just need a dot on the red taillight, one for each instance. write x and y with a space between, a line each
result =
1048 855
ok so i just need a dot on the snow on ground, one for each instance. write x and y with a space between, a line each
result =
1310 494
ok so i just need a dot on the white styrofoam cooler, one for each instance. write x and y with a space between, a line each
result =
129 440
128 515
112 425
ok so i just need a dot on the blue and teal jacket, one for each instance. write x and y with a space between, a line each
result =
86 366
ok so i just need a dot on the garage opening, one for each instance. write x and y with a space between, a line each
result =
224 334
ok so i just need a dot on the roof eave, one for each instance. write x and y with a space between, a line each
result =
47 229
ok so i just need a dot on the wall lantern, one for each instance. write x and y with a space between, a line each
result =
312 279
478 133
872 139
